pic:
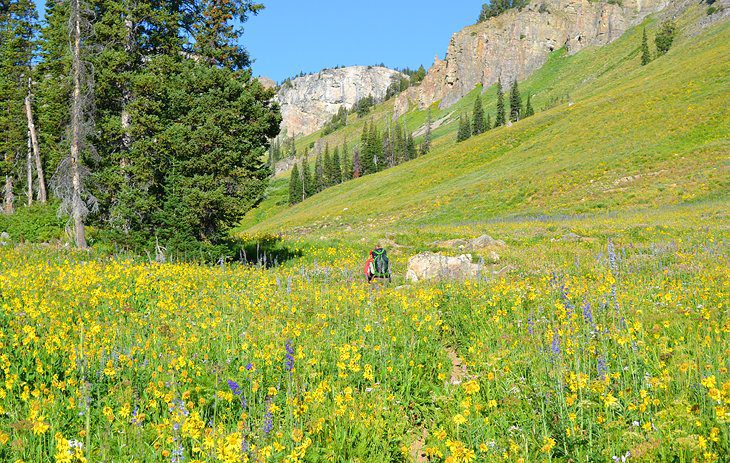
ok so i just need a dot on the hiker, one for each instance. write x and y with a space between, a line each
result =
377 265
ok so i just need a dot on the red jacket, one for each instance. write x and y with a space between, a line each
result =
368 262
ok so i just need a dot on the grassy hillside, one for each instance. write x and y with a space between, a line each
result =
618 136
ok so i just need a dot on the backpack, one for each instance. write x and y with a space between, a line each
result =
380 263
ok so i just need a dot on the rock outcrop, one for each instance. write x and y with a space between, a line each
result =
309 102
518 42
433 266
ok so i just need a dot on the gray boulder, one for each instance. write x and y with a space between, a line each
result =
433 266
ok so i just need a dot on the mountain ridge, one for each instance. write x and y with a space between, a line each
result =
517 42
309 102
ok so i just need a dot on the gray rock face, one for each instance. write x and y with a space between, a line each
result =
517 43
309 102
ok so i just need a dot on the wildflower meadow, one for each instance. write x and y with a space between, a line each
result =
615 350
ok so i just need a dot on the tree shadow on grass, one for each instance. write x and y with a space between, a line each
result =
266 251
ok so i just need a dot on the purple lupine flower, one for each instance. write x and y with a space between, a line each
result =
556 344
235 388
530 324
587 313
177 453
134 416
601 367
268 420
289 362
612 262
249 366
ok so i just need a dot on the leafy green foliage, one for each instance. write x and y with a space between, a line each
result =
362 107
497 7
338 121
665 36
38 223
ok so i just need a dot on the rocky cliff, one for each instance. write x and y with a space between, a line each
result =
308 102
517 43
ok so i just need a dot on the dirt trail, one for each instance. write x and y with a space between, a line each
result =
418 446
458 367
458 375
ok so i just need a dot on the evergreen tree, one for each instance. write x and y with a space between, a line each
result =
366 160
411 150
309 185
319 173
464 129
645 54
529 111
327 177
399 143
426 144
336 167
346 163
356 163
665 37
515 103
18 25
388 153
488 123
53 92
479 124
295 186
375 146
501 118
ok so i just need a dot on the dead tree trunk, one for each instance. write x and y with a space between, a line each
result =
29 172
77 205
42 196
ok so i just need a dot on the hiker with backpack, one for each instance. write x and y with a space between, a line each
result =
377 265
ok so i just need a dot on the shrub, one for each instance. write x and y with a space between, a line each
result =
36 224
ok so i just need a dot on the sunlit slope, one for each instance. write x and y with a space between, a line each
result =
627 137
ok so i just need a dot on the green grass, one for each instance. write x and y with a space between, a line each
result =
621 136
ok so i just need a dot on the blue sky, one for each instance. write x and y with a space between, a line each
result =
296 35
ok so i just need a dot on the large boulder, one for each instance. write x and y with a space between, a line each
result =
433 266
484 241
4 239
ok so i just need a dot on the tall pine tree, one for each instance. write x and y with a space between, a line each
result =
501 118
426 144
515 103
478 122
295 186
645 54
529 111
